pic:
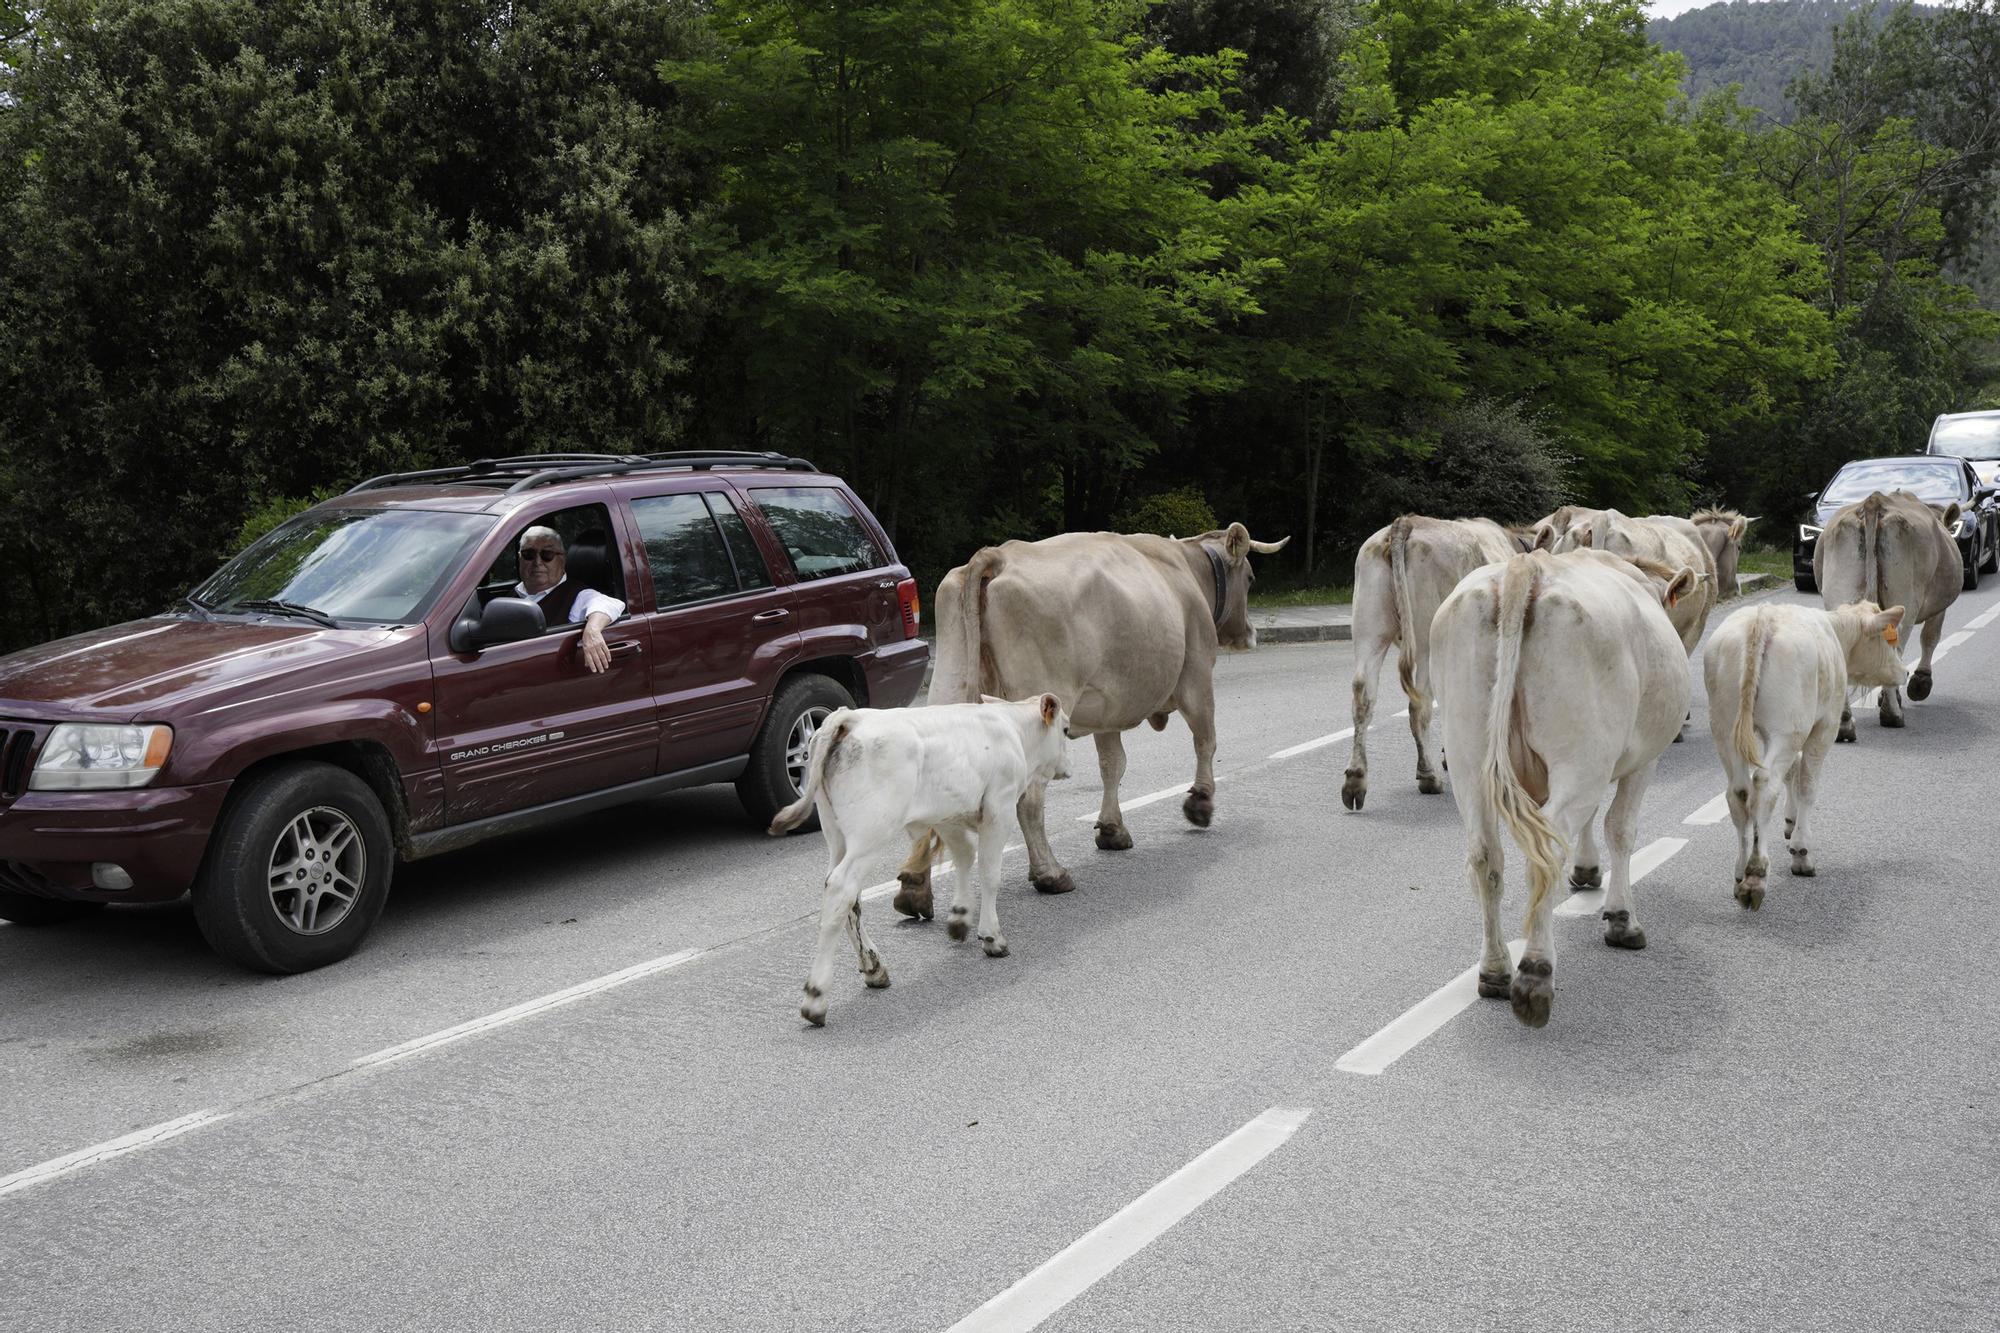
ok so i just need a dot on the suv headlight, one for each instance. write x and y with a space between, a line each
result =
84 756
1960 528
1807 532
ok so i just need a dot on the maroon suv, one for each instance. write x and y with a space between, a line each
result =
366 683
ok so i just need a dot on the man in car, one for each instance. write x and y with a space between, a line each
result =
545 582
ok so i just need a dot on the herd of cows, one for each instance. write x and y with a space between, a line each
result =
1556 656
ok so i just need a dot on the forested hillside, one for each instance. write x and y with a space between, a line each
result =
1010 266
1760 44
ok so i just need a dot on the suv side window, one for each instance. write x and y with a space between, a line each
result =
820 531
743 548
590 557
684 550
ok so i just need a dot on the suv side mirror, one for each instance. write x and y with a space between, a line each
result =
504 620
1811 496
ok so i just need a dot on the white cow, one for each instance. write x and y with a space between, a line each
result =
1668 539
1401 576
1892 549
1559 675
1777 679
880 777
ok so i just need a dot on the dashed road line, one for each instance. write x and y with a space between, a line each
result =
1984 618
1714 812
1314 744
1423 1018
1644 862
1951 641
1138 1224
104 1152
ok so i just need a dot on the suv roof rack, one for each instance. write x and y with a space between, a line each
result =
524 472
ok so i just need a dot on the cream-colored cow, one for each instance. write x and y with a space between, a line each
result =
1892 549
1558 675
1777 679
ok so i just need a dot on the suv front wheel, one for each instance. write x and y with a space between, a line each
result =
298 871
777 770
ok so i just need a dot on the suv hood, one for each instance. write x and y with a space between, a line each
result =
143 668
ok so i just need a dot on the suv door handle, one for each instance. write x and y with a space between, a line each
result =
629 648
766 617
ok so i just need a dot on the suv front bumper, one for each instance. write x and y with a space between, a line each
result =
50 840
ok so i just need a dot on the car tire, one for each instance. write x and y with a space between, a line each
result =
1992 565
1973 560
768 785
1804 583
321 827
27 910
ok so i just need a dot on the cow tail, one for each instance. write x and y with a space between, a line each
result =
1871 547
1745 734
1509 800
1406 621
831 733
965 661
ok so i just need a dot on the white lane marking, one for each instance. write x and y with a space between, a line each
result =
528 1008
1137 801
1419 1021
1313 744
1714 812
104 1152
1138 1224
938 868
1951 641
1644 862
1984 618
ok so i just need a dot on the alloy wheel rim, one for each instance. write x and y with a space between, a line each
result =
318 866
798 745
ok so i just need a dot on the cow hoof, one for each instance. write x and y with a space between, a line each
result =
1750 892
1199 808
1918 686
914 898
1584 878
956 927
1533 992
876 980
1790 824
1620 933
1802 865
1114 838
1494 985
814 1009
1354 791
1893 720
995 946
1429 784
1061 883
1845 736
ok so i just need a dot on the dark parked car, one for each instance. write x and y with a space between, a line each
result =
1938 481
362 685
1973 436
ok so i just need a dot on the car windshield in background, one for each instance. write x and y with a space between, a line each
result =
1928 482
1974 437
378 565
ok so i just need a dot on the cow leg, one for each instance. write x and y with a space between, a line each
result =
1621 830
1416 689
1920 679
1374 614
1846 733
1044 871
913 894
873 974
1112 835
842 897
1533 992
1802 787
1585 871
959 843
1739 815
1198 707
1483 864
992 845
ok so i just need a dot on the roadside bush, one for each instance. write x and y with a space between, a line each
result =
1181 512
1473 459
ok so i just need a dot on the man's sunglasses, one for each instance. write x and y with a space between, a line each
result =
543 554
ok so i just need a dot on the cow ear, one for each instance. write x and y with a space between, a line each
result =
1545 537
1951 512
1236 541
1679 586
1580 533
1050 707
1884 623
1737 527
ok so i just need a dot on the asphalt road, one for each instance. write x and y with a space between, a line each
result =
1786 1119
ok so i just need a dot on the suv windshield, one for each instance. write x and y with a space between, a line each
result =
1932 483
1968 437
376 565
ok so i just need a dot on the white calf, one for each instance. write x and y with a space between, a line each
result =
881 777
1559 675
1777 680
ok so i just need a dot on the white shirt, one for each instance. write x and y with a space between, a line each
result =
589 601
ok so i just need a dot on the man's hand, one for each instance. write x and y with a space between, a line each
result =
596 656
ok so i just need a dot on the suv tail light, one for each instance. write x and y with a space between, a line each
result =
906 593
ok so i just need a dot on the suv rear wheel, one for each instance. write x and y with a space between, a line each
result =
777 768
298 871
26 910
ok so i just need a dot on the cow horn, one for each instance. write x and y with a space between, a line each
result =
1269 548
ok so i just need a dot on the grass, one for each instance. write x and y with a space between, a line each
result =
1314 594
1765 560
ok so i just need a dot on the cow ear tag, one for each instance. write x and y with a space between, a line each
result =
1889 634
